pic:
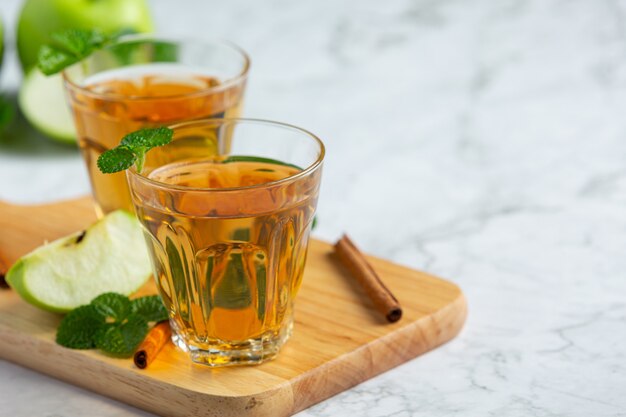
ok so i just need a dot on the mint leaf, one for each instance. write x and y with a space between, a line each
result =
52 60
165 52
116 160
113 306
78 41
148 138
121 339
78 329
132 149
69 47
151 308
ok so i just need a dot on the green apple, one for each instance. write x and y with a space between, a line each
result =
110 256
39 18
42 100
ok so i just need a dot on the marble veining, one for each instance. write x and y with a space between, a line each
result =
481 141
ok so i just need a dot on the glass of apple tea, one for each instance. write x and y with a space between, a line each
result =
144 82
227 208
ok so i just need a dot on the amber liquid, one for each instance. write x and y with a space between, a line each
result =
228 268
140 96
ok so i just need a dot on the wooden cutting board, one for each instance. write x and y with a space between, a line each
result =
338 341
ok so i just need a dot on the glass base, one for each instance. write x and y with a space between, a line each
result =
218 353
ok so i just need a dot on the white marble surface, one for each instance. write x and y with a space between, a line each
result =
483 141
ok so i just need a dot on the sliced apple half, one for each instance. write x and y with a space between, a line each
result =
110 256
42 100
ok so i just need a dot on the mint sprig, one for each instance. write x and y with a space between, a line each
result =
69 47
112 323
132 149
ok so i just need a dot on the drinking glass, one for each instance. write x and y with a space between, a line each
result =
227 208
144 81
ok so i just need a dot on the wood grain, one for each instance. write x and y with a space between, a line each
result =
338 340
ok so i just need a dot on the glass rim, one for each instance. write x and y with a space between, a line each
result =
300 174
241 76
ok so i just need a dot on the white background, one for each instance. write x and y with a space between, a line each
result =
482 141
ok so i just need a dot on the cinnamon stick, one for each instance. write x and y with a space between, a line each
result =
153 343
357 264
4 268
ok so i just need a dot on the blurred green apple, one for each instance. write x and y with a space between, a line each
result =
42 102
41 98
39 18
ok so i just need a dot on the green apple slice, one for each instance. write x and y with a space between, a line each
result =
42 100
110 256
